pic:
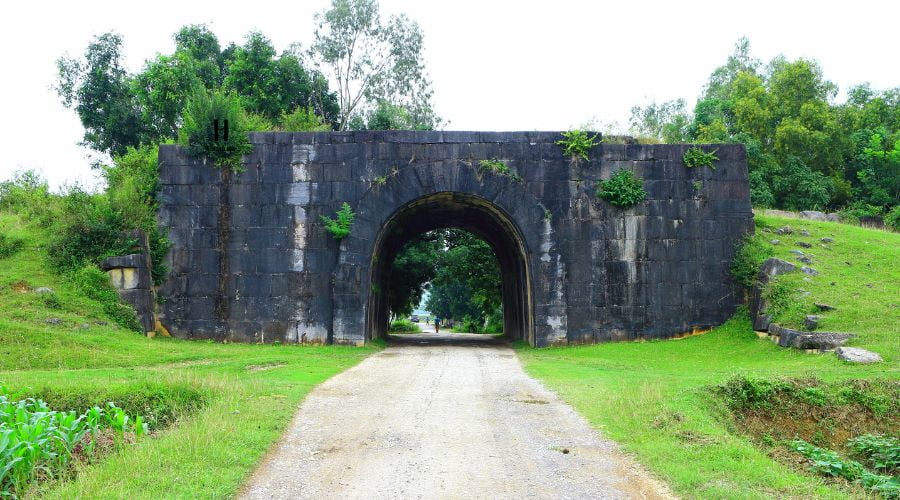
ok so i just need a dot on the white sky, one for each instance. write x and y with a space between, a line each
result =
510 65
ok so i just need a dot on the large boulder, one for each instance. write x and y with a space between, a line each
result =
813 215
821 341
770 268
857 355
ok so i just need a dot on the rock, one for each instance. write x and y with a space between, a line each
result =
813 215
825 307
784 230
797 252
832 217
43 289
804 244
857 355
811 322
826 239
808 270
84 326
770 268
804 232
822 341
805 260
53 321
775 242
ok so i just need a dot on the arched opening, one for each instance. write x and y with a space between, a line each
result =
454 210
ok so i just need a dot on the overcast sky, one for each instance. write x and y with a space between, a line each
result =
511 65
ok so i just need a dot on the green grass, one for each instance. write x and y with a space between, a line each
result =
654 397
253 390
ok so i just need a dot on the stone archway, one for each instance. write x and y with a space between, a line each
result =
430 195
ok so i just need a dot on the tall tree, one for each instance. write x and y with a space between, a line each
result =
372 61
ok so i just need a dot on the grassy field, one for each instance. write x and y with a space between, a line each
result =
654 397
252 390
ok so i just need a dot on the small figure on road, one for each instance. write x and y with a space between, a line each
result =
437 324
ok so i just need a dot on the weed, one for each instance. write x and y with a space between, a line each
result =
697 185
881 452
9 246
748 257
51 300
95 284
696 157
402 325
381 180
576 144
829 463
623 189
339 227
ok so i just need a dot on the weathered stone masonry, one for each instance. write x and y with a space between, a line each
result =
575 268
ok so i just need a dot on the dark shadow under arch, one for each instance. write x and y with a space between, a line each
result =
464 211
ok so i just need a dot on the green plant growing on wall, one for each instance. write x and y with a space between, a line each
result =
381 180
498 167
623 189
696 157
339 227
577 143
203 110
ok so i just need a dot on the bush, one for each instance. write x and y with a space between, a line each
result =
9 246
577 143
403 325
892 219
696 157
339 228
96 285
881 452
28 195
854 211
748 258
303 120
623 189
198 134
786 303
829 463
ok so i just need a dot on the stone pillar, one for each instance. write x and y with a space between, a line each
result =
130 275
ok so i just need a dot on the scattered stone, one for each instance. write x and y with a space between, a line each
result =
825 307
821 341
84 326
826 239
775 242
811 322
43 289
808 270
804 244
804 232
797 252
833 217
857 355
805 260
813 215
100 323
868 285
53 321
784 230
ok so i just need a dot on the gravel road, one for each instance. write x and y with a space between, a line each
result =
443 416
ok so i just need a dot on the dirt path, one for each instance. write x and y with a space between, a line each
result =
441 420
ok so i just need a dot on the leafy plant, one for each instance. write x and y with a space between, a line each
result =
577 143
498 167
696 157
199 135
892 218
9 246
748 257
95 284
882 452
339 227
381 180
623 189
829 463
403 325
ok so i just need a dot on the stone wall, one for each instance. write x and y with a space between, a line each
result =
251 260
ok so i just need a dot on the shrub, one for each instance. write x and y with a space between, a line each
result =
9 246
858 209
255 122
28 195
892 219
339 227
786 303
696 157
96 285
303 120
198 134
623 189
403 325
829 463
577 143
498 167
748 257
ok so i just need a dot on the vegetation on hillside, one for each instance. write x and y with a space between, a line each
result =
212 409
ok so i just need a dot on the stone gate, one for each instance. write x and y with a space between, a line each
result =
252 262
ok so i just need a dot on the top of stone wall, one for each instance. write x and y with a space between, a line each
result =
413 136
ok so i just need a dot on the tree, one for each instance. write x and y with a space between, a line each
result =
373 61
667 122
99 89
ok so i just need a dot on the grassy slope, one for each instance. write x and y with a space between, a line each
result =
204 455
651 398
